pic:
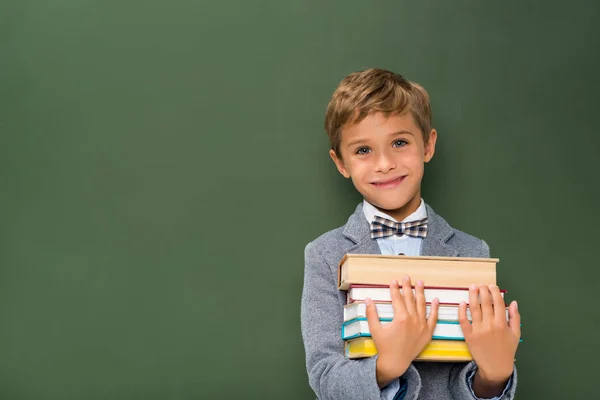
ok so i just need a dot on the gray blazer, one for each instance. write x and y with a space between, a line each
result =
330 374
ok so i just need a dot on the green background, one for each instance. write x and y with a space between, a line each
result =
164 163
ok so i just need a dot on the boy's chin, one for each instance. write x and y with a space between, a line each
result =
392 208
395 207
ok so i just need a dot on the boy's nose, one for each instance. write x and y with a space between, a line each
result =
385 163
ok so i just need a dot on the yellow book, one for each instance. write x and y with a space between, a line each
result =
436 350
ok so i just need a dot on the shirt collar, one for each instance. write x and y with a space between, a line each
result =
370 212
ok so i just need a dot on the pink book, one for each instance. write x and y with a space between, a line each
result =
445 295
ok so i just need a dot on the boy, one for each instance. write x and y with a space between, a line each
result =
379 126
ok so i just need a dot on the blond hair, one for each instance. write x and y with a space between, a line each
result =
375 90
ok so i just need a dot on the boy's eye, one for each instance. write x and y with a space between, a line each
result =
362 150
400 143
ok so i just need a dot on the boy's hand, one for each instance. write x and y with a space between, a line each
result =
400 341
491 339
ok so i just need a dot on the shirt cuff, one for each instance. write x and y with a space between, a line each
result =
395 390
470 384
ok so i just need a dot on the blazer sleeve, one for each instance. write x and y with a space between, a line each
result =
331 375
459 377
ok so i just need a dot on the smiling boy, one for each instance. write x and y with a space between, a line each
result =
379 126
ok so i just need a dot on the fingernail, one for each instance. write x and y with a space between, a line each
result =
420 282
406 278
491 286
368 301
473 286
435 300
394 282
516 305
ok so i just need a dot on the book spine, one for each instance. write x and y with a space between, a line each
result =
434 272
436 350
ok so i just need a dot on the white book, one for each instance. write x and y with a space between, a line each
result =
444 330
385 310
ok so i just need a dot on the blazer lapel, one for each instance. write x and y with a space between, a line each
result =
438 234
357 229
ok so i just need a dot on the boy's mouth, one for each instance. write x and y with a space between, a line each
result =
389 183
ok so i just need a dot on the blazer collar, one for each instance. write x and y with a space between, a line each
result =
435 244
438 234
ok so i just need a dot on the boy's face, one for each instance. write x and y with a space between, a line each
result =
385 158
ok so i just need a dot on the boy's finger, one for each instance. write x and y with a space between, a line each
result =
515 319
463 320
421 305
397 299
474 303
433 315
409 298
487 311
372 318
499 307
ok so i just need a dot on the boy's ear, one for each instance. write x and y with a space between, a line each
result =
430 146
339 163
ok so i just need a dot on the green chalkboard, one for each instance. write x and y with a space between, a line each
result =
164 163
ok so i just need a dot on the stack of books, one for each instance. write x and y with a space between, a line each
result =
447 278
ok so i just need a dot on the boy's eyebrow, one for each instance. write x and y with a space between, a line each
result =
357 141
361 140
401 132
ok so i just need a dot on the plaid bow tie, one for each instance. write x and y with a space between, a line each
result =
382 227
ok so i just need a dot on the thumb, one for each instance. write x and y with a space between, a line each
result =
433 315
514 321
463 320
372 318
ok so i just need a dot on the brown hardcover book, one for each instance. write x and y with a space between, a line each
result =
377 269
